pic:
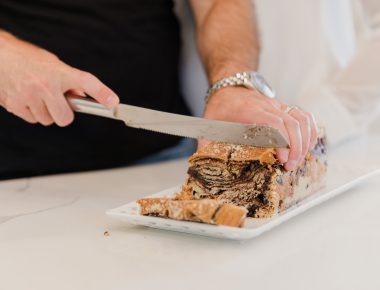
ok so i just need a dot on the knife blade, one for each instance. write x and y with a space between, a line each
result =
184 126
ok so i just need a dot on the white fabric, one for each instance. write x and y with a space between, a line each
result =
322 55
325 57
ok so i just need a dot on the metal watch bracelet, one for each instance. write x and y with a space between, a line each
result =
248 79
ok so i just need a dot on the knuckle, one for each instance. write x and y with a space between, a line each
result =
86 77
305 119
274 103
278 121
246 117
11 104
273 120
65 118
309 115
8 103
28 119
47 123
44 118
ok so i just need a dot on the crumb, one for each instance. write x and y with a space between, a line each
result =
106 234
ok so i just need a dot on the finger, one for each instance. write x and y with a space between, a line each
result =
76 93
26 114
59 109
294 132
295 137
40 112
22 112
304 123
89 84
277 104
313 131
274 121
282 155
313 126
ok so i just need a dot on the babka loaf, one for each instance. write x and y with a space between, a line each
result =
253 177
250 179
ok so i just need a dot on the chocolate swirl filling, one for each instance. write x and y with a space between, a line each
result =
241 183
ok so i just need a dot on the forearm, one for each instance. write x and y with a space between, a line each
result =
228 43
227 37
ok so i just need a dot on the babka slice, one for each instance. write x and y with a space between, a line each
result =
206 210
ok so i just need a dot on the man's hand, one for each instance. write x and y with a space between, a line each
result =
33 83
237 104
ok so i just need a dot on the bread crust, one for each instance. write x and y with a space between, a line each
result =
229 152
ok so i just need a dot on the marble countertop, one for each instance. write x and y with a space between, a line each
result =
52 236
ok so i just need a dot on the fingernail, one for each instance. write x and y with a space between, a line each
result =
290 165
112 101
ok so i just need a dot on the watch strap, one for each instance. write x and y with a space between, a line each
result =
239 79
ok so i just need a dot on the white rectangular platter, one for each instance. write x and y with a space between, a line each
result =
340 178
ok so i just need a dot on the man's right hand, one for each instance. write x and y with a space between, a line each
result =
33 82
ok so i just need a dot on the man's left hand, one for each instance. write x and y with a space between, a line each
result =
238 104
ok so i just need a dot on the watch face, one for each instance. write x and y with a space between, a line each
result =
261 85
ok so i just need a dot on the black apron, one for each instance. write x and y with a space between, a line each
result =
131 45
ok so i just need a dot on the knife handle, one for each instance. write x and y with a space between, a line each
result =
89 106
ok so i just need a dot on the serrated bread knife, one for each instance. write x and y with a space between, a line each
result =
185 126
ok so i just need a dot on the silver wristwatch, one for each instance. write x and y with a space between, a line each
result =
249 79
